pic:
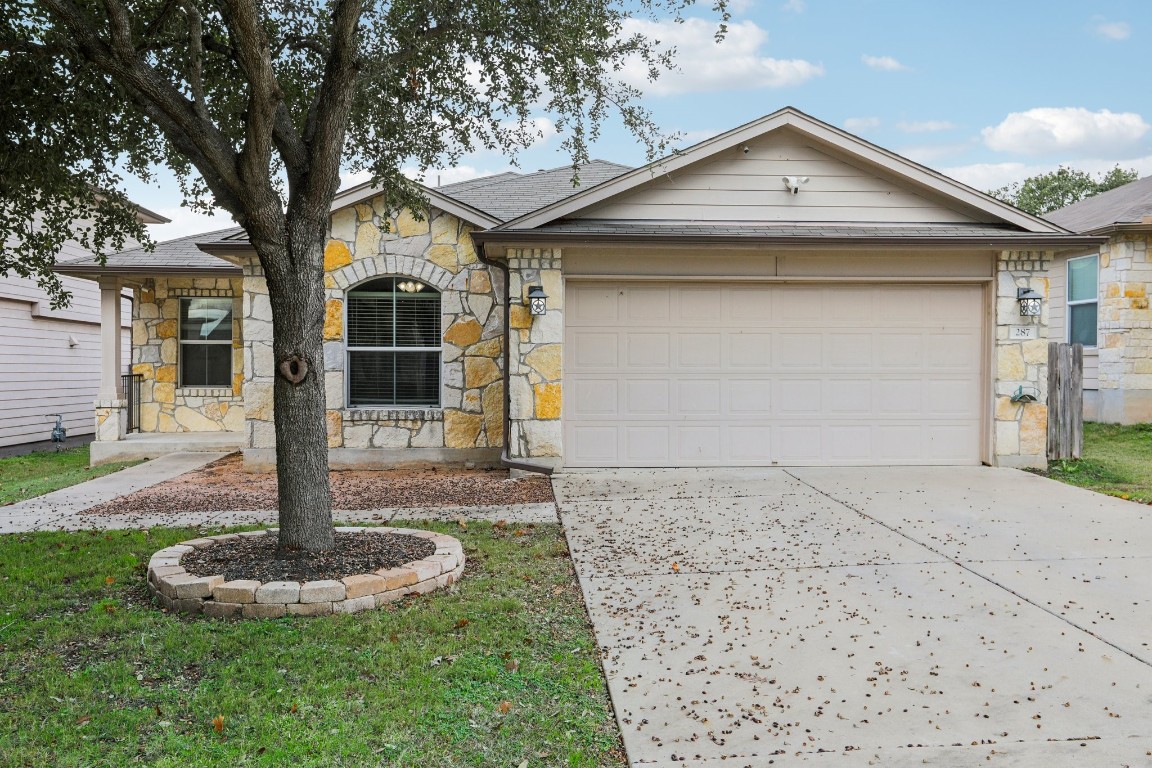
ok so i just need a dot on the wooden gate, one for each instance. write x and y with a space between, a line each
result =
1065 400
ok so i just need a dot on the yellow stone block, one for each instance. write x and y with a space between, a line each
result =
520 317
1035 351
336 255
1010 364
1140 303
479 282
139 333
479 371
367 240
493 407
444 229
461 429
335 424
329 281
1034 429
467 250
166 329
463 332
1006 410
237 384
333 320
547 401
168 350
166 374
165 423
547 361
1112 291
489 348
364 212
164 393
408 226
143 369
1134 291
443 256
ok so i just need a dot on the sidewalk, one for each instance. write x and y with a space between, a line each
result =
61 510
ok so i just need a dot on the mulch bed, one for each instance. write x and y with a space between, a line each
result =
355 553
224 485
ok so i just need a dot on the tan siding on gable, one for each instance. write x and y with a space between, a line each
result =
738 186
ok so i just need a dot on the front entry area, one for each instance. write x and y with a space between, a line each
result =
757 374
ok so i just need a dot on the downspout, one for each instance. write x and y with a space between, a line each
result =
505 459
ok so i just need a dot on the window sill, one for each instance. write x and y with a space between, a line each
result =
392 414
205 391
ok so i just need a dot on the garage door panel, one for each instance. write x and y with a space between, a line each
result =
649 350
593 305
749 350
697 444
774 374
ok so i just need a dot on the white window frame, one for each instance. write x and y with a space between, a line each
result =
181 342
1070 303
349 349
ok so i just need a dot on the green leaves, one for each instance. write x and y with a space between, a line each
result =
1052 191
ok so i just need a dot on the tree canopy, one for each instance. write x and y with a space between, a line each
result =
1057 189
258 105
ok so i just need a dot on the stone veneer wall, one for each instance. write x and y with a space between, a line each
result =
367 242
164 405
1020 437
536 346
1125 327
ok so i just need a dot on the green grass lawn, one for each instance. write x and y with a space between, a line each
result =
501 670
22 477
1117 460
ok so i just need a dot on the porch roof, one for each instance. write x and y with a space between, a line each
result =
182 256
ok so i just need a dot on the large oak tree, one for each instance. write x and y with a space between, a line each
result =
258 106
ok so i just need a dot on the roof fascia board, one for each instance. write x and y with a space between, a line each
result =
793 118
93 271
436 199
1046 241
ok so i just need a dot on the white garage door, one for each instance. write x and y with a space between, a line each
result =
759 374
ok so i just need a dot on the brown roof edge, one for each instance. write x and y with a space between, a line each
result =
94 270
1054 241
217 247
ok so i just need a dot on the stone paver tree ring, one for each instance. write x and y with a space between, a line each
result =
440 564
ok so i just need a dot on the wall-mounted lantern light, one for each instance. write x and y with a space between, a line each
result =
537 301
1030 302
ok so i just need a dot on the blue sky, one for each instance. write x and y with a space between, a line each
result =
987 92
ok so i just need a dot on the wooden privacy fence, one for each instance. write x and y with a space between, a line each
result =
1065 400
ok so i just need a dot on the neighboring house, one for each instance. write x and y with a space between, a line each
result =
1100 299
782 294
50 358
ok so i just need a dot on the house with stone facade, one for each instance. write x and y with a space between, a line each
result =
1100 299
784 293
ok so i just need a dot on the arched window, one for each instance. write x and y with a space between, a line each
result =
393 341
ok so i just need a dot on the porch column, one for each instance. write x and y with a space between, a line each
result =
111 423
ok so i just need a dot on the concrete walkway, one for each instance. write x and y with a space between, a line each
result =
872 616
61 510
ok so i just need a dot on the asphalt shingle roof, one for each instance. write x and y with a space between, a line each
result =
511 195
1128 204
181 253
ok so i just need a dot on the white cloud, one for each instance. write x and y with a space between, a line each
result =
985 176
924 126
1113 30
861 123
883 63
795 6
1046 130
734 63
185 222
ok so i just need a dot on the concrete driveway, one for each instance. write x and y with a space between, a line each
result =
871 616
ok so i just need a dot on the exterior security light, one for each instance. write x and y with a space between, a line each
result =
537 301
1030 302
794 183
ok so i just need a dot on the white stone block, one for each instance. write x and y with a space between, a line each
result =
391 437
431 435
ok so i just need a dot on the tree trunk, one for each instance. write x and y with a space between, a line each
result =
296 293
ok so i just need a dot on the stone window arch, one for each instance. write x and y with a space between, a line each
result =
393 341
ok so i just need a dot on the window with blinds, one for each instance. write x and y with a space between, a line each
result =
205 342
393 342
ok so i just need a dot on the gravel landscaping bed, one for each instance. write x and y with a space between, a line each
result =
224 485
255 558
